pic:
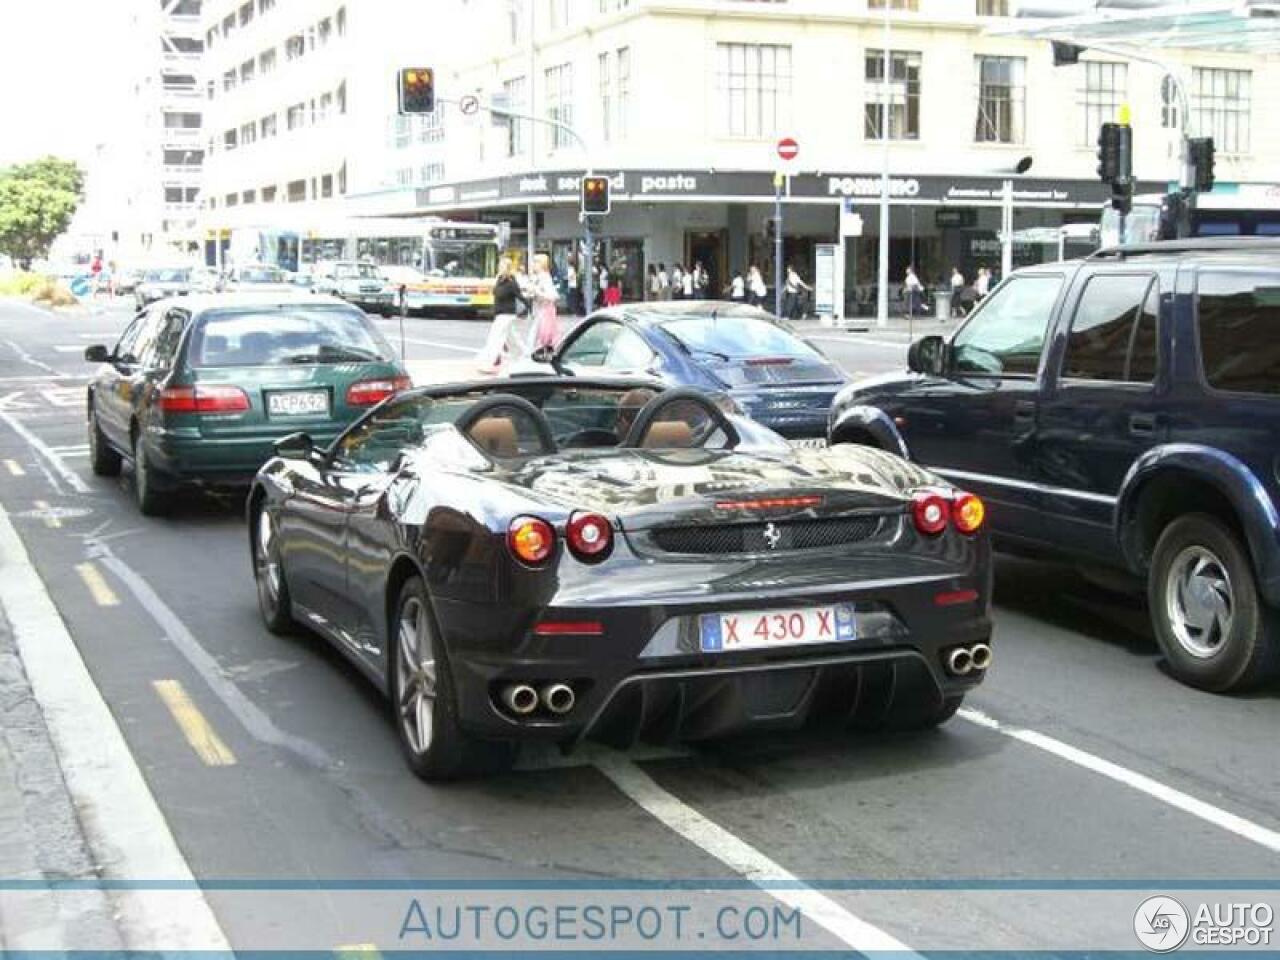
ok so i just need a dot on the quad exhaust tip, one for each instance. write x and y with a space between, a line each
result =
960 661
980 656
558 698
521 699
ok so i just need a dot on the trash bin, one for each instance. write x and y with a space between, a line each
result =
942 303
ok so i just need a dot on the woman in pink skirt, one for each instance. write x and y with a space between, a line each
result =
546 330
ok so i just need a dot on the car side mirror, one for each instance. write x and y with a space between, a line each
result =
296 446
927 355
97 354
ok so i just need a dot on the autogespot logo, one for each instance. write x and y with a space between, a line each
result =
1161 924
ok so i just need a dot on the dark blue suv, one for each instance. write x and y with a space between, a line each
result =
1121 411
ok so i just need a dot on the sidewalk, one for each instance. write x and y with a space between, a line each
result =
41 837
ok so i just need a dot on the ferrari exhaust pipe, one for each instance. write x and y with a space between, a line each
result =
558 698
980 656
959 661
520 698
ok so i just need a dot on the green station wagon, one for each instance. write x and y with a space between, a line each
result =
198 389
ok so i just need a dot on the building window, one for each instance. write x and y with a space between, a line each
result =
513 90
431 126
265 5
1222 101
229 80
246 71
559 95
342 97
341 21
993 8
605 84
267 126
297 191
431 173
402 133
326 185
269 194
229 138
514 8
558 13
755 88
325 30
913 5
326 106
1169 105
267 61
903 95
230 200
1002 96
624 88
248 133
1105 88
295 47
249 196
296 116
246 13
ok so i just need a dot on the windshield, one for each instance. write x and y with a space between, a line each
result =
168 276
274 337
261 275
464 258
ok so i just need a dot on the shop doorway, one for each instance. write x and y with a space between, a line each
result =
709 248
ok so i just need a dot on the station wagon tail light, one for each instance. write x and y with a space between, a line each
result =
968 512
931 512
531 540
208 398
590 536
365 393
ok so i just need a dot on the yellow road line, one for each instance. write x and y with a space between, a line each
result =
202 737
52 522
102 594
15 469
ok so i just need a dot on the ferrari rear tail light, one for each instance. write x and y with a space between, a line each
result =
931 512
210 398
967 512
365 393
590 536
531 540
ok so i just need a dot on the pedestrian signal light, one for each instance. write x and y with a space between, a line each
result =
417 90
1202 151
595 195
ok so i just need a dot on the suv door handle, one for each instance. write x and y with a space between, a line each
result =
1024 411
1143 424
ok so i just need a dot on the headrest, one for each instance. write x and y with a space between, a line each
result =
668 435
495 435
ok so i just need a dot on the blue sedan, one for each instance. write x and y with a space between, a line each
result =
777 378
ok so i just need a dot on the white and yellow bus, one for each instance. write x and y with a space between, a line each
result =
456 262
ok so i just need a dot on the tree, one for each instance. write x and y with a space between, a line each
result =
37 202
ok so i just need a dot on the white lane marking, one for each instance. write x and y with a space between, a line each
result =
744 859
73 479
28 358
15 468
1223 819
51 520
442 345
13 401
123 824
69 348
46 378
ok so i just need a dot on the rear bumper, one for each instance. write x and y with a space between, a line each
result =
647 678
218 461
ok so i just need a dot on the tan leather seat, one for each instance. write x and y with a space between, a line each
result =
496 435
668 435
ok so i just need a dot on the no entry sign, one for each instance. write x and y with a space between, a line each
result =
788 149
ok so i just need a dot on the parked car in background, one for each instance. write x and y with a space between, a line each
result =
259 278
197 389
358 283
411 283
127 280
1121 412
777 378
509 578
160 284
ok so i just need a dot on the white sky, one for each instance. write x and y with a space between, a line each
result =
60 70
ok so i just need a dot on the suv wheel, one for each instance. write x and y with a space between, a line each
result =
1209 620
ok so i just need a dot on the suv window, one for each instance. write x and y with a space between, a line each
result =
1006 335
1113 333
1239 316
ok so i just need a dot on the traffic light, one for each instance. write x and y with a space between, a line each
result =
1122 196
417 90
1202 150
595 195
1115 152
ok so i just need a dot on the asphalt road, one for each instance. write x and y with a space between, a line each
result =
309 784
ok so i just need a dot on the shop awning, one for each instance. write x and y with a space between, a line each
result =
1226 26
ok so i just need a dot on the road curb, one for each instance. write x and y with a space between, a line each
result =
122 822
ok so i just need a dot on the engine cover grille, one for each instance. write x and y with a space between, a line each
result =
766 537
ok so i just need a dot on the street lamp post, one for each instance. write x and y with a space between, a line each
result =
882 279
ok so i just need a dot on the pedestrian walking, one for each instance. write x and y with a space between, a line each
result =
957 288
612 288
793 294
757 291
506 296
738 288
653 284
688 284
699 282
913 290
664 282
573 288
677 282
982 285
544 296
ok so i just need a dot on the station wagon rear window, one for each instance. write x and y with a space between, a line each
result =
268 338
1239 315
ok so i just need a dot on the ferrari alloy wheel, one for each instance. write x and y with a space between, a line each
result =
268 574
1211 624
424 706
103 460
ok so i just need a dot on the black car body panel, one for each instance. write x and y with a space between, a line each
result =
695 531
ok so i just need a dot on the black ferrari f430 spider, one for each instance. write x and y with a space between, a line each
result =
562 558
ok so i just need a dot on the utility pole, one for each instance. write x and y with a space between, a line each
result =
882 280
778 180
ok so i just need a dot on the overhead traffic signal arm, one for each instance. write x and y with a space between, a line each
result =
417 90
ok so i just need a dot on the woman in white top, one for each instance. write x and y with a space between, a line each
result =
543 292
737 289
756 288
